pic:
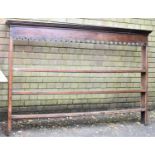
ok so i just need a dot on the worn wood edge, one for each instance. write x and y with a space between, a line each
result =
76 26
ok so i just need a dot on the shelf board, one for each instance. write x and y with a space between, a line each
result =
75 114
78 71
75 92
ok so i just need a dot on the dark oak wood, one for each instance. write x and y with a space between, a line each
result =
78 71
77 114
35 24
10 61
76 92
144 85
65 34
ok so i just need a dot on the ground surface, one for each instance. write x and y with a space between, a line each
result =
94 126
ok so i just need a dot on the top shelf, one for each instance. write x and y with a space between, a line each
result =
76 26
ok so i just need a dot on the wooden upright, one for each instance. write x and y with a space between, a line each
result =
144 85
10 83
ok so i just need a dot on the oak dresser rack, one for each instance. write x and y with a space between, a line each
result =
38 31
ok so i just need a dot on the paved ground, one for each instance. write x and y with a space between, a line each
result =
100 126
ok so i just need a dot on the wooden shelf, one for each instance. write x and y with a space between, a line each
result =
78 71
76 92
75 114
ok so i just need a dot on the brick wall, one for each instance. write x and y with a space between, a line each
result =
77 56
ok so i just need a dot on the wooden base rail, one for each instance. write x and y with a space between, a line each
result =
76 92
79 71
76 114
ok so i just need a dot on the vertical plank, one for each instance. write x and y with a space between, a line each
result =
10 61
144 85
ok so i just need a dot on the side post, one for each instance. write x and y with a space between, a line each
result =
10 71
144 85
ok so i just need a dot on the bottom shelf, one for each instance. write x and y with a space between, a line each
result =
75 114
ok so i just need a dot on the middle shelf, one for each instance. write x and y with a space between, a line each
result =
78 71
76 92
